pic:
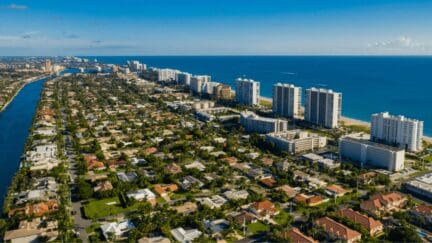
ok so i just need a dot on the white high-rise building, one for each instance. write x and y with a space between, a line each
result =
397 130
247 91
183 78
286 100
197 82
323 107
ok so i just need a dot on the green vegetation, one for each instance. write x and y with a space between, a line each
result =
106 207
258 227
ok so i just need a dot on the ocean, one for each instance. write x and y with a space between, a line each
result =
370 84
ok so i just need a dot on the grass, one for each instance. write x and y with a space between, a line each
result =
257 227
99 208
358 128
283 218
92 228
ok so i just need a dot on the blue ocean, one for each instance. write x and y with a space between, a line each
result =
400 85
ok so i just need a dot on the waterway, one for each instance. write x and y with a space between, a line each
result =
15 122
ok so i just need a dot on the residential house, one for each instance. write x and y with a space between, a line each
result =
289 191
423 211
156 239
189 181
215 201
217 225
185 236
186 208
173 168
116 229
337 231
264 209
294 235
336 190
127 176
380 204
374 227
236 195
163 189
32 231
143 194
103 186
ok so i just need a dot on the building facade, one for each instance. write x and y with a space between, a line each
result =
296 141
286 100
254 123
197 83
323 107
183 78
397 130
247 91
359 149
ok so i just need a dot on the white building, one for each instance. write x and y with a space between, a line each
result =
197 82
136 66
421 185
254 123
286 100
209 87
323 107
142 194
183 78
166 74
397 130
247 91
358 148
185 236
117 229
296 141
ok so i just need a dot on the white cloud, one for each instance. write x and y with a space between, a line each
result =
401 43
14 6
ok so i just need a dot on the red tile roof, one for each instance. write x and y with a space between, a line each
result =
368 222
296 236
340 230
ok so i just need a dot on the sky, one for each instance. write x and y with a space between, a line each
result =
215 27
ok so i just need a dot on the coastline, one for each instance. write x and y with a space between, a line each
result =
28 81
352 121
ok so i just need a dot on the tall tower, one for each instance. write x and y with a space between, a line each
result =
48 67
247 91
323 107
286 100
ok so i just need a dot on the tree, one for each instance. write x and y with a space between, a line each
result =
404 233
84 190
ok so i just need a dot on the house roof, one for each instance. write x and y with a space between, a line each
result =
163 188
368 222
20 233
289 191
378 201
336 189
423 209
268 182
296 236
335 228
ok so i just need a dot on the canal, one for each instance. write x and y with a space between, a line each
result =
15 122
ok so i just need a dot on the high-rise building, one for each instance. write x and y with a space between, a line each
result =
222 92
254 123
197 82
47 66
323 107
286 100
247 91
397 130
183 78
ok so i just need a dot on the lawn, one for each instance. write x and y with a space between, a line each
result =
106 207
258 227
283 218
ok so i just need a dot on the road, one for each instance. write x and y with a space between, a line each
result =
80 223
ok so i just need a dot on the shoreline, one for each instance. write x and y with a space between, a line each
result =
26 82
348 121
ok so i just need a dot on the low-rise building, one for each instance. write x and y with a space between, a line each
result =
264 209
338 231
421 185
254 123
236 195
358 148
296 141
117 229
294 235
374 227
185 236
380 204
215 201
143 194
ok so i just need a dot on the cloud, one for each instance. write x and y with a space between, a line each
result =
29 35
401 43
14 6
70 35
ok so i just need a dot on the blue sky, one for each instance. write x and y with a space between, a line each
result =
216 27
